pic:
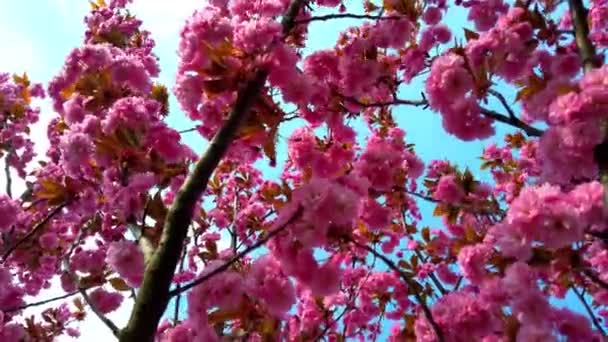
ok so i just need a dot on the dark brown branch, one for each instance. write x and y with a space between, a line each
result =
153 295
34 230
421 196
415 103
42 302
458 283
586 50
597 324
108 322
513 121
427 312
7 173
347 16
261 242
503 102
188 130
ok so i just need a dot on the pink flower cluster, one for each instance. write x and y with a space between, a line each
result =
17 115
548 216
450 89
465 314
567 148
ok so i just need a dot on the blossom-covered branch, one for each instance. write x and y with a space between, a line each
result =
154 292
34 230
238 256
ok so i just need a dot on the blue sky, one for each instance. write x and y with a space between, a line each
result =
38 34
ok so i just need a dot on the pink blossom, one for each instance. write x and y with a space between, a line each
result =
268 283
432 15
225 290
566 152
73 109
448 190
256 34
127 260
375 215
77 150
461 316
49 241
105 301
9 211
472 261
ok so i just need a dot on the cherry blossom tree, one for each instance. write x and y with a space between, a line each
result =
335 248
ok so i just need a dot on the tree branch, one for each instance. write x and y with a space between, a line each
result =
503 102
188 130
415 103
42 302
513 121
7 173
153 295
262 241
108 322
586 50
427 312
597 324
347 16
36 228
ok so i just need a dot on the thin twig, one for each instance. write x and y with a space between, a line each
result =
262 241
347 16
193 129
504 103
427 312
415 103
458 283
42 302
34 230
7 172
352 301
232 230
108 322
421 196
597 324
179 297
